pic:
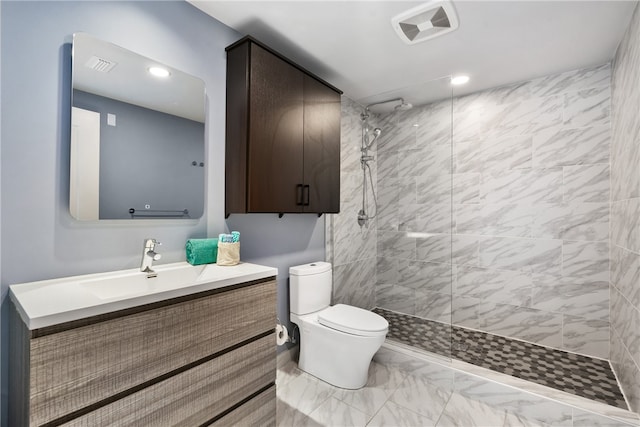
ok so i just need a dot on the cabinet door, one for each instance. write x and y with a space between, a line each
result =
321 147
275 151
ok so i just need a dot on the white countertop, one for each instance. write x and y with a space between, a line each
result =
51 302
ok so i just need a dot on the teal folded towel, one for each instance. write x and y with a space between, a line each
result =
202 251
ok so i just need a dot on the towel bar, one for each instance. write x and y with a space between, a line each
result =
148 213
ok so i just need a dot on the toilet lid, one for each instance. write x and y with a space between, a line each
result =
353 320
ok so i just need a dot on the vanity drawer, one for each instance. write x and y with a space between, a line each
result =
196 396
259 412
88 365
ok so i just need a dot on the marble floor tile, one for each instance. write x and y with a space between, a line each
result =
286 373
465 412
399 361
519 420
587 419
383 381
288 416
367 400
407 389
305 394
527 406
419 392
334 412
393 414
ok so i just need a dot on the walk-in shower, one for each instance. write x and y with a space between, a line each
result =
478 256
369 137
490 248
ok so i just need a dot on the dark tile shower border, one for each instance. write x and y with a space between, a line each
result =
569 372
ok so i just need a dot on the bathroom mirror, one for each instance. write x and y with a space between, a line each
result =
137 136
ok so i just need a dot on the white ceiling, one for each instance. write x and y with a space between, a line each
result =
352 45
129 81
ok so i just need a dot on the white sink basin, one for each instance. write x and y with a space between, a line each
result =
50 302
137 283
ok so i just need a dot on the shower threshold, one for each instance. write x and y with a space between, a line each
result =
580 375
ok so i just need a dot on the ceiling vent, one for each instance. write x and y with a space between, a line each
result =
100 64
425 22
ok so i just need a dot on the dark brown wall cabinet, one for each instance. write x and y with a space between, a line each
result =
282 135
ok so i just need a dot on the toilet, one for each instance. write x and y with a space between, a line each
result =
337 342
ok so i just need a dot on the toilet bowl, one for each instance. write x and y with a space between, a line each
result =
337 342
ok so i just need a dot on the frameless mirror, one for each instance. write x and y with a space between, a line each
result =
137 136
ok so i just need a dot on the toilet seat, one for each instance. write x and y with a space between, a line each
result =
353 320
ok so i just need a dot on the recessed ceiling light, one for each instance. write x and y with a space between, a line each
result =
459 80
159 71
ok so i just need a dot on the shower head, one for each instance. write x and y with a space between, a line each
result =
402 106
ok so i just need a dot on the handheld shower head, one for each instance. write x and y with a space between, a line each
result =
404 106
367 144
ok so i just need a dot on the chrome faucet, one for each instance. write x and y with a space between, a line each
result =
149 255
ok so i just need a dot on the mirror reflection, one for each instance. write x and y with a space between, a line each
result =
137 136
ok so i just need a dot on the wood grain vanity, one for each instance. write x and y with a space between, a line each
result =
198 359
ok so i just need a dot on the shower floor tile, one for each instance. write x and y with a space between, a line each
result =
573 373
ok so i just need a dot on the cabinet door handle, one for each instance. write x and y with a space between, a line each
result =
299 194
305 195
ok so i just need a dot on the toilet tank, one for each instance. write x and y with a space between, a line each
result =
309 287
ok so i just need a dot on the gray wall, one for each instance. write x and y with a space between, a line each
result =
35 132
42 238
283 242
625 214
146 159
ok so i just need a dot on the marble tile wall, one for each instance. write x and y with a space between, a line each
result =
351 248
625 214
495 211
